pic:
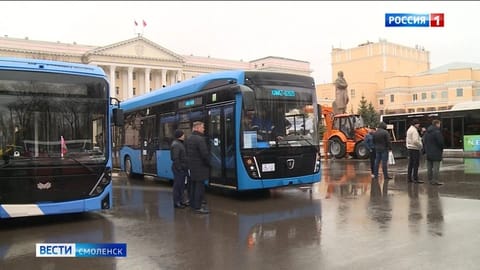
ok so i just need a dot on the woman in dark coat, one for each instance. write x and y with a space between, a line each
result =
199 164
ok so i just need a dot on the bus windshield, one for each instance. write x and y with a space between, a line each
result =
283 117
52 117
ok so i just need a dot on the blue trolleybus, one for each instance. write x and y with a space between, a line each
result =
54 138
280 148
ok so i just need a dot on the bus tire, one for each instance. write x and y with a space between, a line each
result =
128 167
337 148
361 151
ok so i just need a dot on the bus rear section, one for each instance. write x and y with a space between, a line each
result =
54 138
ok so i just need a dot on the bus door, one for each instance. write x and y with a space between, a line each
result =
221 138
149 145
452 130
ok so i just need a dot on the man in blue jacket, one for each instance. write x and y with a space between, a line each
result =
371 149
383 144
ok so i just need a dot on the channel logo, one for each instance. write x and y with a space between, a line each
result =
83 250
414 20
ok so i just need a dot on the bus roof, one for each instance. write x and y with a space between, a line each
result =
191 86
462 106
179 89
25 64
467 105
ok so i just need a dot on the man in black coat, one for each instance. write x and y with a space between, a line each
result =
178 156
434 144
383 144
199 164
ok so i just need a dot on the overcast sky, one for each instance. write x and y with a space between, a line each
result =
250 30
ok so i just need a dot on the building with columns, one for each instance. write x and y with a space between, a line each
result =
398 79
139 65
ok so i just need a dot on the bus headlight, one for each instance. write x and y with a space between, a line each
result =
104 181
251 167
317 164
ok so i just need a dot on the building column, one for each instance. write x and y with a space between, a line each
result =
124 89
130 83
164 78
173 76
157 80
113 92
179 76
147 80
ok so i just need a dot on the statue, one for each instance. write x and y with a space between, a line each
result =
341 95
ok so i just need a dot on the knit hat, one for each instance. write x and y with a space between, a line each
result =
178 133
415 121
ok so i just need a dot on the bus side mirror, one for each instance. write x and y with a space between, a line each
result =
117 117
248 98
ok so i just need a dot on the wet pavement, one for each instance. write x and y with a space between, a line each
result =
347 221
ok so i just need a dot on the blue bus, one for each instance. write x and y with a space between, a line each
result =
243 156
55 154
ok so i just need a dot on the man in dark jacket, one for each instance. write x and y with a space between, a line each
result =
199 164
434 144
178 156
383 144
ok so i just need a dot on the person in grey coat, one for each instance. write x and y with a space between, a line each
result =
434 144
198 158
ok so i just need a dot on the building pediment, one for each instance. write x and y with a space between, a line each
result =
139 47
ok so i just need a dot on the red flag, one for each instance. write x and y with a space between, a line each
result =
135 22
63 146
144 23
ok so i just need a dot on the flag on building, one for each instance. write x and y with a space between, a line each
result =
135 22
144 23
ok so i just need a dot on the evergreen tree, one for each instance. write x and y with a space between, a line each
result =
367 111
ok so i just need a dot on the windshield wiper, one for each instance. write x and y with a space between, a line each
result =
298 138
81 163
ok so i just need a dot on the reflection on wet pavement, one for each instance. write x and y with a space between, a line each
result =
347 221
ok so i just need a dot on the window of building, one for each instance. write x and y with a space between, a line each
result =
134 75
150 76
444 94
459 92
420 109
424 96
433 95
352 93
415 97
117 90
476 92
117 75
431 109
411 110
392 98
134 91
380 102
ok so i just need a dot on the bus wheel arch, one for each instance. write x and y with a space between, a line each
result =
337 147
